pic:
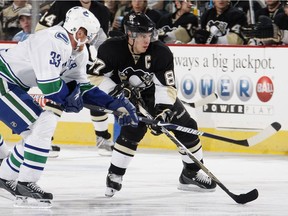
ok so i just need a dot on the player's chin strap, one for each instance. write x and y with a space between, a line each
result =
79 42
132 46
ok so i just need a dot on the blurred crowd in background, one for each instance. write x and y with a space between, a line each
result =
254 22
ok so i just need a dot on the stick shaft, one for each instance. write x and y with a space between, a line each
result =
272 129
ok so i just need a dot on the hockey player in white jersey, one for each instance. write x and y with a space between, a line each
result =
54 60
56 16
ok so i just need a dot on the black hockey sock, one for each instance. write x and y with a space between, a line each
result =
105 134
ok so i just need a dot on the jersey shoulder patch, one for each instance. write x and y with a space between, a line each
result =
62 36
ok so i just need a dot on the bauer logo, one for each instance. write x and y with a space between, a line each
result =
244 88
264 89
188 86
225 87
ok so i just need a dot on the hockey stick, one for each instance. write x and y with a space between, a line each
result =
241 199
261 136
210 98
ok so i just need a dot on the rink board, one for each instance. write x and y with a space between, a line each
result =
251 83
83 134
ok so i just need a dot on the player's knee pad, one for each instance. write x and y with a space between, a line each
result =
187 137
127 141
125 146
37 145
134 133
45 125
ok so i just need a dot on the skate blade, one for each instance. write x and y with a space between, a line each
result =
192 187
53 154
110 192
5 194
27 202
103 152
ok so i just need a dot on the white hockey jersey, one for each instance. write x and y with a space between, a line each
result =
42 59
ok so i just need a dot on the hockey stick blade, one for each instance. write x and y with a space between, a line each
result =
210 98
264 134
245 198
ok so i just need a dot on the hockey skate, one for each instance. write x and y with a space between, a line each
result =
29 194
195 181
8 186
54 151
113 183
104 146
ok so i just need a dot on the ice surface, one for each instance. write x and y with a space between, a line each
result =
77 180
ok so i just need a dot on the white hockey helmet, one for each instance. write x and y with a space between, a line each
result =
78 17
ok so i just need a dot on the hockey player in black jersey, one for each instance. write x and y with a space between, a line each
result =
147 66
221 25
178 26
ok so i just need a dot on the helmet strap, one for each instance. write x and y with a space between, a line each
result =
132 46
79 43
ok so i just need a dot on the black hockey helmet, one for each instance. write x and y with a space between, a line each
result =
139 23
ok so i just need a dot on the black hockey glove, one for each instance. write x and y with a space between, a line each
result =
121 88
264 29
201 37
73 102
123 105
163 114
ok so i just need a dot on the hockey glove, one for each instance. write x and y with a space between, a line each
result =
129 116
128 91
201 37
264 29
73 102
163 114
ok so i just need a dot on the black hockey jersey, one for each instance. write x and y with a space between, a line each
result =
57 12
266 12
187 21
281 20
152 72
231 17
